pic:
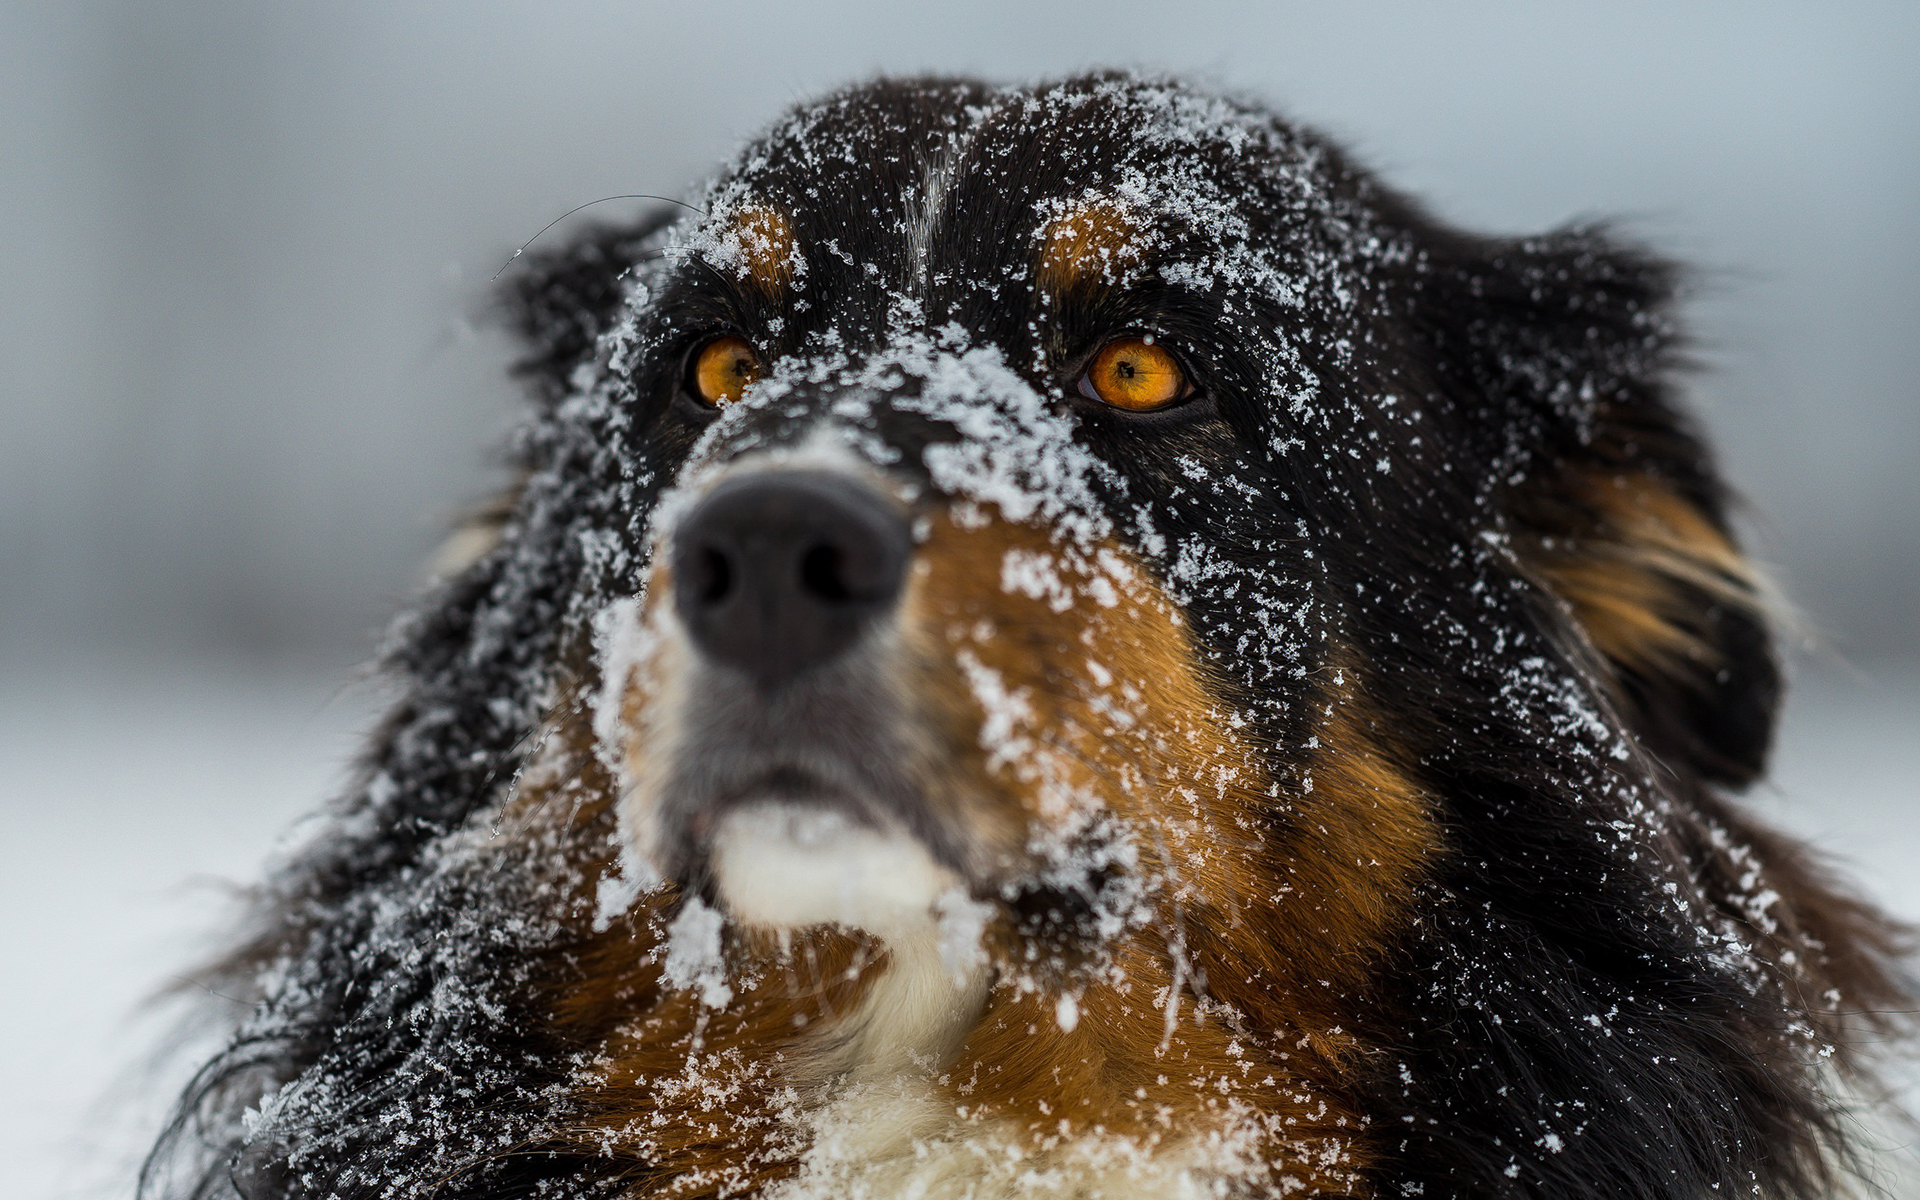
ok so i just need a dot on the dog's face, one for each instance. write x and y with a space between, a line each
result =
1026 459
1106 538
1062 642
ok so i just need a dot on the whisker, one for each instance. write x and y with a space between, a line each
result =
589 204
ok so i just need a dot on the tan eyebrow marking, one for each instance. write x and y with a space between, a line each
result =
758 246
1092 240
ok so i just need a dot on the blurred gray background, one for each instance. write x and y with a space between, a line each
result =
243 243
243 383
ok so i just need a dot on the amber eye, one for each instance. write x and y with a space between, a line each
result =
1134 374
722 369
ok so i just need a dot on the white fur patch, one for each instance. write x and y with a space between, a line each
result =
912 1019
898 1137
788 866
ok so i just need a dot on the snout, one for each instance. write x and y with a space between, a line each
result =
780 572
850 717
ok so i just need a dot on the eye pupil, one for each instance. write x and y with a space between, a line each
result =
723 369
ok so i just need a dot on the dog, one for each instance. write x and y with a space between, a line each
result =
1066 641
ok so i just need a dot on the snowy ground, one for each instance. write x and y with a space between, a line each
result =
132 799
130 793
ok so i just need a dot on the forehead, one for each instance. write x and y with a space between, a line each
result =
955 198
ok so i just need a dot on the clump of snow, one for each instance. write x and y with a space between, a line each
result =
1014 452
1066 1012
741 237
632 876
623 644
962 926
1006 731
693 959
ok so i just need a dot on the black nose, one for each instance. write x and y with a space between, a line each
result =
782 571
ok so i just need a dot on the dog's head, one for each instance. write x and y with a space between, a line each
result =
1109 499
1080 597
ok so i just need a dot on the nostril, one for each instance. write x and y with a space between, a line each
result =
823 573
712 576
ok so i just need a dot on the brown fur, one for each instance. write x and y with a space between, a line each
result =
766 249
1621 564
1092 243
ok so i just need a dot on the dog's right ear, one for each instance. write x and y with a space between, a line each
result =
560 301
1563 349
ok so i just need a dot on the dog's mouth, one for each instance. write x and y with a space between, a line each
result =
789 786
791 849
793 845
821 800
780 863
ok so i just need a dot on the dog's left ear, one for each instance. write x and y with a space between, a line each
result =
1616 508
558 300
